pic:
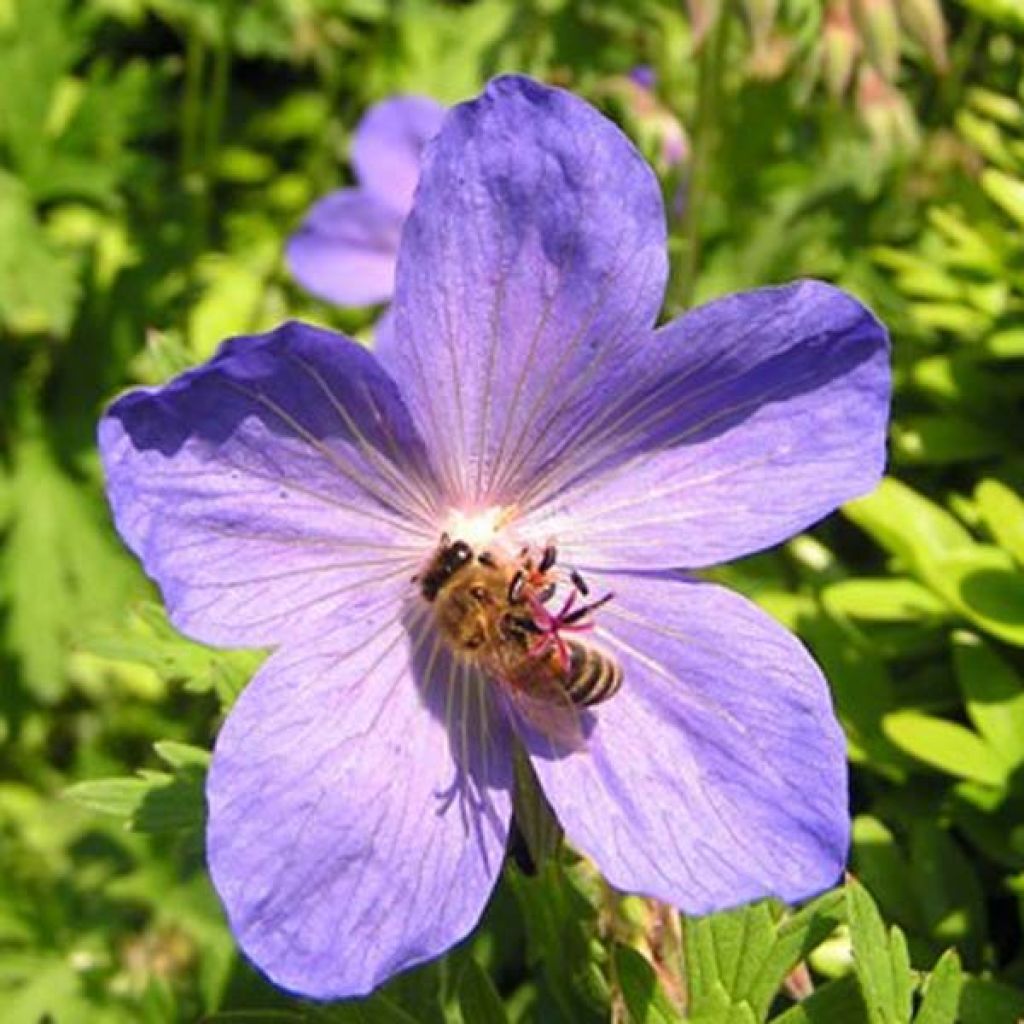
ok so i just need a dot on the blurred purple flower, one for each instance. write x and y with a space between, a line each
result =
284 493
346 248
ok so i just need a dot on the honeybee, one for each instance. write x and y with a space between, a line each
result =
496 613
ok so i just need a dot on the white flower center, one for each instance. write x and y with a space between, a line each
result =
480 528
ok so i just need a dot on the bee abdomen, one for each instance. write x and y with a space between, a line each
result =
593 676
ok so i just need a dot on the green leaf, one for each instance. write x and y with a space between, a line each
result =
988 1002
884 870
993 694
908 525
58 550
722 951
985 586
796 937
375 1009
157 801
880 961
1006 191
941 439
38 287
478 998
838 1002
1002 511
942 992
945 745
887 599
645 999
948 890
561 918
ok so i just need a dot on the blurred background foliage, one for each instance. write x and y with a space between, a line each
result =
154 154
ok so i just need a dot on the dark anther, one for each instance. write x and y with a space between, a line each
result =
574 617
547 593
515 587
578 582
549 558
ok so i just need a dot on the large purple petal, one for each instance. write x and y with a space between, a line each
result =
356 828
346 248
717 774
531 266
752 418
272 485
388 148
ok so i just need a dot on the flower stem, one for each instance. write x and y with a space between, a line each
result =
536 821
705 134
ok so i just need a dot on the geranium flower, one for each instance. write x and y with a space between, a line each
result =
285 493
345 249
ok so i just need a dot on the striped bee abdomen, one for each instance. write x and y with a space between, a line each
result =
593 676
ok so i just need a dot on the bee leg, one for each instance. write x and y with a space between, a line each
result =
486 558
516 587
548 558
573 617
522 623
579 582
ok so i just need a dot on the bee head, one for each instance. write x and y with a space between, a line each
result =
451 556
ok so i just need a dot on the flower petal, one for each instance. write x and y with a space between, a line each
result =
717 774
270 486
754 417
533 261
352 831
387 149
345 250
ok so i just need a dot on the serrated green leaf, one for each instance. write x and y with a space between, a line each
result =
156 801
723 952
945 745
118 797
478 998
993 694
903 982
942 992
182 755
880 964
795 938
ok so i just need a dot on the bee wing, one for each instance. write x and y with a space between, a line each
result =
545 709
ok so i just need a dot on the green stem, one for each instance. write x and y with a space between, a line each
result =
705 133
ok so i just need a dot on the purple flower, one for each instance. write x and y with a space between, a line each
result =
346 248
285 493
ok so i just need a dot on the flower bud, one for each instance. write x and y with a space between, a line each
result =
881 31
886 113
924 21
840 46
704 15
761 16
